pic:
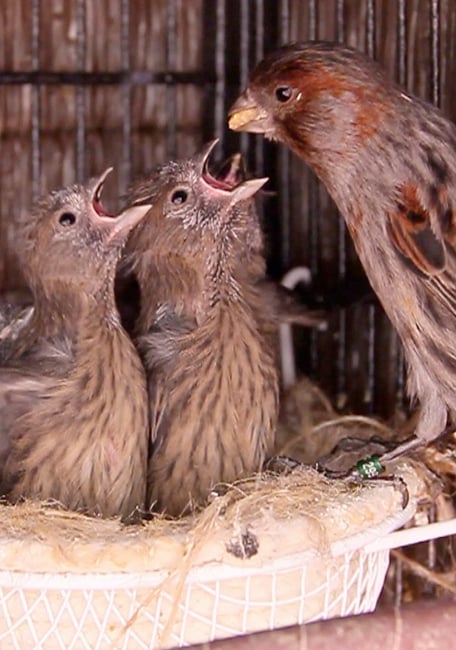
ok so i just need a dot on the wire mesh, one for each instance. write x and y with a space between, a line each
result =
128 611
85 85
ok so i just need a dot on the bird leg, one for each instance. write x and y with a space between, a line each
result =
368 468
413 443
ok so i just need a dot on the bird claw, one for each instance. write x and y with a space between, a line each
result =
281 465
397 482
218 490
135 518
370 469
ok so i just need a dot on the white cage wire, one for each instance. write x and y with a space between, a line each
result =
162 609
95 612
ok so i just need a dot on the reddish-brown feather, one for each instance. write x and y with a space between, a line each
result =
412 234
388 160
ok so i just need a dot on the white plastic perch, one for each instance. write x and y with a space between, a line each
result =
287 359
413 536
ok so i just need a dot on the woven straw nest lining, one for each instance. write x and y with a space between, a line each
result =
255 521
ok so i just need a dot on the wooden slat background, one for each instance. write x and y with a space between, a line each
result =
136 126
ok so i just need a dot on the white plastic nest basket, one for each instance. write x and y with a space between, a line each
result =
123 587
104 611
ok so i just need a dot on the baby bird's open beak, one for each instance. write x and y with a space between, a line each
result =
127 220
247 189
116 227
231 171
201 158
230 185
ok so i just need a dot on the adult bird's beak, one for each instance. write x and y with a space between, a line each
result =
246 115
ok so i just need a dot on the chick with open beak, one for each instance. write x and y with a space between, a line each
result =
73 398
203 332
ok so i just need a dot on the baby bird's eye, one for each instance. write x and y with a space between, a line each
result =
67 219
178 197
283 93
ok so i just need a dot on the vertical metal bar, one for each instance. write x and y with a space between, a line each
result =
401 42
314 207
80 91
312 29
435 8
36 108
435 50
370 384
402 79
171 65
126 96
284 176
399 583
313 189
341 381
370 28
220 73
432 549
340 20
259 38
340 35
244 54
284 17
259 52
371 377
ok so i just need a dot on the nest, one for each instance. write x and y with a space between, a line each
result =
294 536
42 536
311 429
269 551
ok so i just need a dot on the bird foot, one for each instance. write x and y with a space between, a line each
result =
397 482
281 465
135 518
370 469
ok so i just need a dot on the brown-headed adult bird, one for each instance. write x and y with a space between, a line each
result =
388 159
73 395
204 331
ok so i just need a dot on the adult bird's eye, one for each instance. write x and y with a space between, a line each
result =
178 197
67 219
283 93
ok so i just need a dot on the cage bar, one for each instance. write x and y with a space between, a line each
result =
220 84
126 95
36 100
171 91
284 157
80 91
435 50
401 42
